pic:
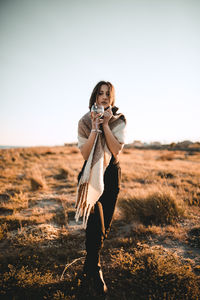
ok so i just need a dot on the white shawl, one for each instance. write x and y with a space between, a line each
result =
91 184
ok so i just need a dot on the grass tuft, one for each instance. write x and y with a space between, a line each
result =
155 208
37 180
166 156
64 173
194 236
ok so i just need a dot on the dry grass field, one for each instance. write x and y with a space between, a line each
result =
153 249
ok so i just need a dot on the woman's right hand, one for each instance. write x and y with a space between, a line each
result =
96 121
87 147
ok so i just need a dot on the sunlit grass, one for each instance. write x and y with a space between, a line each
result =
155 274
154 236
158 206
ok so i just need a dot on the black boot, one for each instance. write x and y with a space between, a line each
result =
99 283
93 274
94 282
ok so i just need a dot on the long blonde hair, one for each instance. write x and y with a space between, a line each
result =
96 90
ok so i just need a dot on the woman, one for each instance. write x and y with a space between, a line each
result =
100 141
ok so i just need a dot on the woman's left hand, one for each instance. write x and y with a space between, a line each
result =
107 116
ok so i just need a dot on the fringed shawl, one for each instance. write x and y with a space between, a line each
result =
91 185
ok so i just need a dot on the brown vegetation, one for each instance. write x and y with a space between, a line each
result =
157 207
152 251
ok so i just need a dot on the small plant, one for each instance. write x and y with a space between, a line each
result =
37 180
158 208
19 200
194 236
64 173
166 156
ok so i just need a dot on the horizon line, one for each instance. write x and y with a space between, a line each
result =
68 143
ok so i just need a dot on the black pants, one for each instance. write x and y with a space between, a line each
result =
99 221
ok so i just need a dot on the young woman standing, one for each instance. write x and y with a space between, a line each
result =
101 137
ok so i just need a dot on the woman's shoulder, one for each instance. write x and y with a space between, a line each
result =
85 117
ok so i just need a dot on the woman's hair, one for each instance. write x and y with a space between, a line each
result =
96 90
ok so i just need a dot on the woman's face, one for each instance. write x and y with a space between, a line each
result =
103 98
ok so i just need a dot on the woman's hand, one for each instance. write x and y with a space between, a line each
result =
107 116
113 144
96 121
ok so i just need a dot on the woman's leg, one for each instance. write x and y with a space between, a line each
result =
112 181
99 221
95 233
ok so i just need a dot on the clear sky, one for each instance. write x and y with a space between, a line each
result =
53 53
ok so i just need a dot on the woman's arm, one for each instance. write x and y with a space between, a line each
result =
113 144
87 147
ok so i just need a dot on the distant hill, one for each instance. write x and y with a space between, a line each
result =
184 145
